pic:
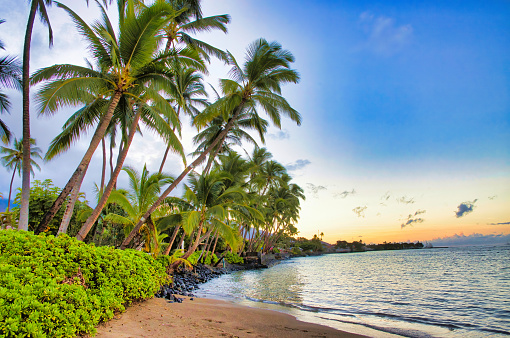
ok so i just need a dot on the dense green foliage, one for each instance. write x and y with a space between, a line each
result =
60 287
313 244
42 196
233 258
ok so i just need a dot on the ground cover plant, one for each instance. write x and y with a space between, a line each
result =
60 287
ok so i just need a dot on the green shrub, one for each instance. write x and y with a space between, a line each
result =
296 251
233 258
211 258
60 287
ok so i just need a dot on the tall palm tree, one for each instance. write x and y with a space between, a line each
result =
247 120
36 6
129 70
258 83
191 21
13 158
187 93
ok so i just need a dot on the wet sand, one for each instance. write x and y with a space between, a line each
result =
208 318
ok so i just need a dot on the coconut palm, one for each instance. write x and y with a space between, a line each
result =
187 93
211 210
258 83
36 7
13 158
144 190
129 69
191 21
247 120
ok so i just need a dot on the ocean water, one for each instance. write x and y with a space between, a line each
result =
453 292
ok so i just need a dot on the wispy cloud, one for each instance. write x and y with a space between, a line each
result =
465 208
384 35
280 135
385 198
473 239
299 164
360 211
314 189
405 200
504 223
344 194
412 219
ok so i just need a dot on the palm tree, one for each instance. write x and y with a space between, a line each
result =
247 120
187 92
144 190
36 6
211 208
13 158
258 83
190 21
10 77
129 70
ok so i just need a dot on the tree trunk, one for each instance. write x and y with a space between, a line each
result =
183 174
25 164
181 242
190 251
98 135
176 231
103 173
10 188
111 156
70 205
214 246
109 188
168 146
213 155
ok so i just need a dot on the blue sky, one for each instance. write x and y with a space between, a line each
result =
401 101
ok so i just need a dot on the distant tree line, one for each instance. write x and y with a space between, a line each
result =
357 246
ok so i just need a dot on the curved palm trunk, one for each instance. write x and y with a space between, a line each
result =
168 146
111 157
10 188
113 180
214 154
98 136
192 166
70 205
103 173
176 231
25 185
214 246
164 159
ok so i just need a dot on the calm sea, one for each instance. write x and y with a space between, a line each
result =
454 292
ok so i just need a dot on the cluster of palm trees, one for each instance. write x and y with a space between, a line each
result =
149 72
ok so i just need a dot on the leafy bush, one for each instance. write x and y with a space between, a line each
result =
60 287
296 251
276 250
233 258
211 258
42 196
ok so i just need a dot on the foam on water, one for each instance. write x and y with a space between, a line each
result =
456 292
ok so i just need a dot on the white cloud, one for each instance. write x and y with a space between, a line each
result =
383 35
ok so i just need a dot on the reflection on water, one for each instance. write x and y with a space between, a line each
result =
457 292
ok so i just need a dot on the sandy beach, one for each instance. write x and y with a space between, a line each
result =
208 318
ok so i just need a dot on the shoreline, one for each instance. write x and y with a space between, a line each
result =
204 317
